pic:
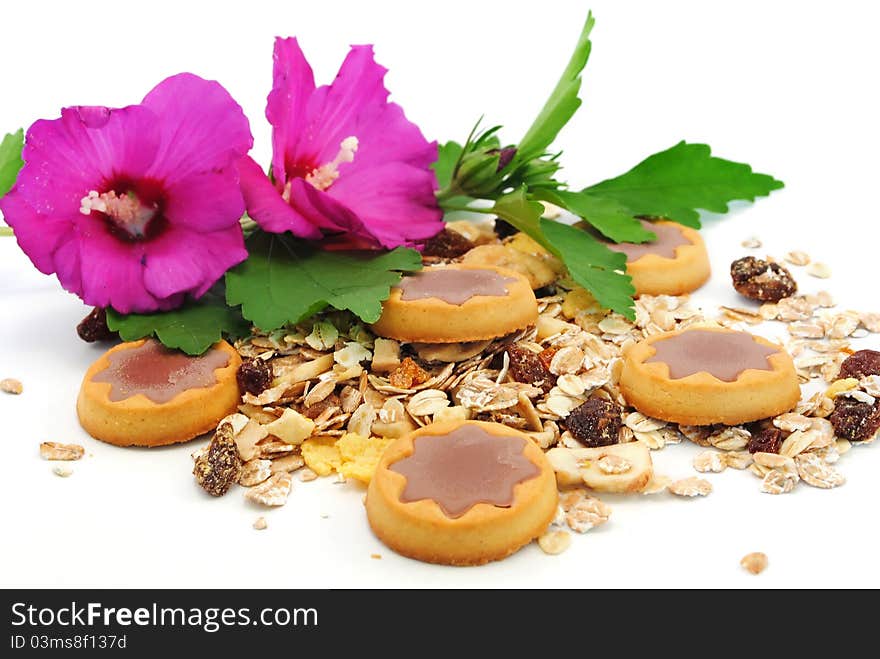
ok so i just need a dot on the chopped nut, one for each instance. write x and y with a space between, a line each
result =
386 355
55 451
762 280
272 492
11 386
756 562
691 487
291 427
819 270
261 524
220 466
554 542
595 423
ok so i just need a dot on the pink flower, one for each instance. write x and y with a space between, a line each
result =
135 207
347 165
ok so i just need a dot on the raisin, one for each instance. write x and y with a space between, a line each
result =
94 327
766 440
595 423
504 229
408 374
220 466
545 291
254 376
447 244
528 367
762 280
855 420
860 364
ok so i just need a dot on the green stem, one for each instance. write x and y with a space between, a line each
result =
6 231
468 209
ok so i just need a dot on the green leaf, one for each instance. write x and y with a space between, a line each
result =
563 102
447 158
677 182
593 266
10 159
285 281
612 219
522 213
193 328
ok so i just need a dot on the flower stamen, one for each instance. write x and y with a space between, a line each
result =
125 211
325 175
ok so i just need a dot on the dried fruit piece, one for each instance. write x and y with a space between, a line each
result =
94 327
528 367
291 427
761 280
579 466
272 492
11 386
756 562
220 466
767 440
595 423
55 451
447 244
860 364
254 376
408 375
854 420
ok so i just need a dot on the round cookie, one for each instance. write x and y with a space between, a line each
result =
701 376
674 264
457 304
461 493
142 394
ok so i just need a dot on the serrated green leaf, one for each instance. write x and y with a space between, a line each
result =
563 101
611 218
593 266
522 213
677 182
285 280
448 155
10 159
193 328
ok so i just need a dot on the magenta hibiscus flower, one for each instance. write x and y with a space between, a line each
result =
135 207
347 165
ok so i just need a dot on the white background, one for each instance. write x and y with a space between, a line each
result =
790 88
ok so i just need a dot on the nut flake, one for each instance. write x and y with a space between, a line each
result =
11 386
755 563
691 487
65 452
554 542
272 492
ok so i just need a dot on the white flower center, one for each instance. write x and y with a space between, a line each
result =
324 176
126 211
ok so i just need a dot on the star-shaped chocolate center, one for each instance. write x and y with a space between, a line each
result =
722 354
463 468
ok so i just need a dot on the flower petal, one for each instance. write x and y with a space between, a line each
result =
293 84
201 127
185 261
208 201
84 150
395 202
37 235
266 206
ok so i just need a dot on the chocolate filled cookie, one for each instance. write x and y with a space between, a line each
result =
143 394
461 493
457 304
701 376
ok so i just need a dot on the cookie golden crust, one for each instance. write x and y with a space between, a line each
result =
422 530
658 275
481 317
139 421
701 398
